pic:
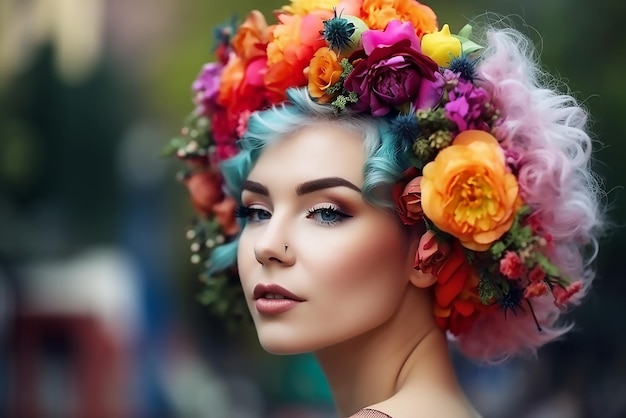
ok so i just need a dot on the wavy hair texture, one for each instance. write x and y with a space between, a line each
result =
548 129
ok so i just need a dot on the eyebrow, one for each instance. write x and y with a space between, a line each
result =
324 183
304 188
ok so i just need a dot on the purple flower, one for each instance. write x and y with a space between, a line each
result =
206 87
467 107
394 72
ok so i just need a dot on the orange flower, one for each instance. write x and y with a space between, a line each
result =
246 67
468 192
456 299
224 212
323 72
534 290
378 13
252 37
292 45
205 190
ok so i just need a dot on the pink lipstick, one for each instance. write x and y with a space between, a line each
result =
273 299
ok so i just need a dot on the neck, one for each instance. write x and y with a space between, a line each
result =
407 352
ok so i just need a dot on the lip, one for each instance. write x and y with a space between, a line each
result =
274 306
261 289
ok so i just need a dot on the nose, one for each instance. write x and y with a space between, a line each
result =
273 246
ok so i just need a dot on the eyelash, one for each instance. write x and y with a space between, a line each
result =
247 212
330 208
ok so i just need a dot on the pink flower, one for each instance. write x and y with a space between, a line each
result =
394 72
511 265
563 295
396 31
431 254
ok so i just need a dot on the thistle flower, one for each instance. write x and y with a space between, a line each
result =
464 66
405 128
343 33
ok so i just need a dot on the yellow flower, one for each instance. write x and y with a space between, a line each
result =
303 7
468 192
441 46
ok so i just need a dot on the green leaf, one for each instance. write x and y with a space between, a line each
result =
465 32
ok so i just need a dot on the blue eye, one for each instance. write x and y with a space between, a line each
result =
327 216
252 214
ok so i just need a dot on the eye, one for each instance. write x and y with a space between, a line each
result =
327 216
252 213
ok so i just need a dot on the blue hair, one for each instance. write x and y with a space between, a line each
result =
385 160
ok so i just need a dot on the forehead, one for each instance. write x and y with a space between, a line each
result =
323 150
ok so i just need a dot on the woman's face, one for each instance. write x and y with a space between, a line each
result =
318 264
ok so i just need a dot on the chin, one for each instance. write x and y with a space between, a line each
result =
282 344
280 340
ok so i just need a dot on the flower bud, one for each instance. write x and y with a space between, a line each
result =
441 46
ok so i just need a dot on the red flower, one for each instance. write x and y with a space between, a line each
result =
431 255
456 300
408 196
511 265
393 73
536 274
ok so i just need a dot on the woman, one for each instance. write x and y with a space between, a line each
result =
409 186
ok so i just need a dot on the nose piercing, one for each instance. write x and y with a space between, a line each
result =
286 246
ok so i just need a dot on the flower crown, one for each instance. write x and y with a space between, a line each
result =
486 246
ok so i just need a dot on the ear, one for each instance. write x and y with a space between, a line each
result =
417 277
421 279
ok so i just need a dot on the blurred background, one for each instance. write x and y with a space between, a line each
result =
98 301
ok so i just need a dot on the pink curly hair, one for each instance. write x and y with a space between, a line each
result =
546 130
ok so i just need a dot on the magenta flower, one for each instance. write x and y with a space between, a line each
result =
394 72
206 87
395 32
467 107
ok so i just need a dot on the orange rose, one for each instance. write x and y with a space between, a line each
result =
468 192
252 37
323 72
378 13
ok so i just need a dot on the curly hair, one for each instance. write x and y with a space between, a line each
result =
548 130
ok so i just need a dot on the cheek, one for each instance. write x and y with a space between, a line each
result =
362 266
246 261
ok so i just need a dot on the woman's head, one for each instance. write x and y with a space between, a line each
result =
310 230
478 179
